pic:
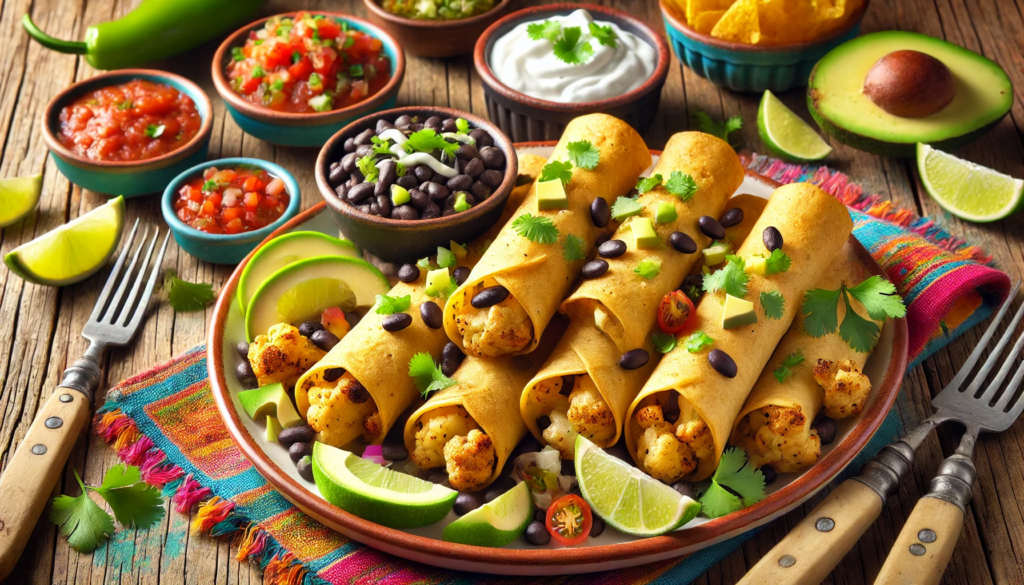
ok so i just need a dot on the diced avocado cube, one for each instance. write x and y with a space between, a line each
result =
399 195
273 429
665 213
756 265
644 234
551 195
458 249
737 312
460 202
270 400
716 253
437 281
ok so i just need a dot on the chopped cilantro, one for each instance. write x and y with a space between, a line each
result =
368 168
583 154
569 48
663 342
462 125
697 341
154 131
680 185
556 170
126 105
548 30
355 70
778 262
210 186
425 264
785 369
185 296
277 85
427 140
719 129
380 146
445 258
648 268
428 375
730 277
537 229
573 248
745 485
645 184
773 303
603 34
876 294
387 305
237 54
625 207
257 72
296 57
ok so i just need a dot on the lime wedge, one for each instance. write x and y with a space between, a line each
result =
496 523
376 493
626 497
20 196
785 134
967 190
73 251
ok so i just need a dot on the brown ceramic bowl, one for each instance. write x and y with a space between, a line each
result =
394 240
526 118
434 38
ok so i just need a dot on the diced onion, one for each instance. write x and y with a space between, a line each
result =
275 187
463 138
232 197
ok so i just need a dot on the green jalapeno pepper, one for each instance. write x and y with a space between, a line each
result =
155 30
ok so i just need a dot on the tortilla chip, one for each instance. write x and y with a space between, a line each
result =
706 21
785 21
739 23
696 7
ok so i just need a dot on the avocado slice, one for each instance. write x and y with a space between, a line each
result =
644 233
839 105
716 253
270 400
273 429
551 195
737 312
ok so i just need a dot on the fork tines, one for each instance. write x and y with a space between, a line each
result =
119 311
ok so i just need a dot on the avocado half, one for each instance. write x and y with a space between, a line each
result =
838 104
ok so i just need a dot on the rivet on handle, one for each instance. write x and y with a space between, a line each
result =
54 422
926 535
66 398
39 449
825 524
787 561
917 549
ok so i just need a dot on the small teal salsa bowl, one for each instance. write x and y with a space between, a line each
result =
225 248
752 68
304 129
127 178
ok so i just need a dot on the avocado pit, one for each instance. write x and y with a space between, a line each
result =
910 84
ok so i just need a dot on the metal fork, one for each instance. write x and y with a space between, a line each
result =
815 546
31 474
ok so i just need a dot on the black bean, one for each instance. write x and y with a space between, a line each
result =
489 297
493 157
384 204
300 449
396 322
353 318
394 452
731 217
243 349
388 175
383 125
826 428
479 190
364 150
244 371
449 125
611 248
360 192
568 467
600 213
363 208
482 137
722 363
470 198
682 243
422 173
594 268
415 126
356 178
332 374
710 227
491 178
537 534
374 208
634 359
474 168
500 486
419 199
324 339
770 475
460 183
432 315
670 412
685 488
434 123
449 366
341 191
568 383
308 328
338 176
452 350
348 162
435 191
693 281
461 274
543 422
403 120
408 182
431 211
302 433
305 468
350 144
405 212
772 238
466 502
467 152
540 516
408 273
365 137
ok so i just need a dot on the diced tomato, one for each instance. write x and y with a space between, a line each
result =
327 28
252 183
232 213
252 200
675 311
234 226
268 202
216 203
333 319
569 520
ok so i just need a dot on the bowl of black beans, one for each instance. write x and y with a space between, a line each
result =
401 182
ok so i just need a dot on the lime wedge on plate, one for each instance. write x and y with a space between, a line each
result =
378 494
967 190
20 196
626 497
301 291
73 251
785 134
285 250
496 523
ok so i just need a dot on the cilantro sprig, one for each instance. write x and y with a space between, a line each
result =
427 140
648 268
583 154
368 168
538 229
730 278
876 294
697 341
556 170
569 44
155 131
735 485
681 185
722 130
785 370
573 248
773 303
380 146
663 342
645 184
777 262
388 305
427 375
185 296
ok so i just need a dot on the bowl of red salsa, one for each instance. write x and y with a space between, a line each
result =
295 79
128 132
220 210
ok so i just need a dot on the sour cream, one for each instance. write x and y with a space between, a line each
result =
531 67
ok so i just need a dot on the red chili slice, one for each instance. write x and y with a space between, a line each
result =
569 520
675 312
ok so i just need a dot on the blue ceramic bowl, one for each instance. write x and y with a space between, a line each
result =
312 129
225 248
753 68
128 178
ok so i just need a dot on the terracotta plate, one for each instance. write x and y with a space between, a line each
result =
611 550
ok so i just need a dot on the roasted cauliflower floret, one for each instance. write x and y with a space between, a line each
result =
338 411
469 461
780 438
664 456
496 331
649 416
846 388
560 434
589 414
282 355
373 426
442 425
697 436
549 390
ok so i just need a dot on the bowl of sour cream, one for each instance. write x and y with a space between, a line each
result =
543 66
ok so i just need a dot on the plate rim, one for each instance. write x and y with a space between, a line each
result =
444 554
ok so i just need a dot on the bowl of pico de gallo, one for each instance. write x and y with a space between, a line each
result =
295 79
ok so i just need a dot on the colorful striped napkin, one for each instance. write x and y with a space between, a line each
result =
165 422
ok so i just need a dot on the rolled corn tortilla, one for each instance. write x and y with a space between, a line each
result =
476 416
617 311
774 426
814 226
536 275
377 361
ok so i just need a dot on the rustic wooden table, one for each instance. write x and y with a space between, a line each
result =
40 326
